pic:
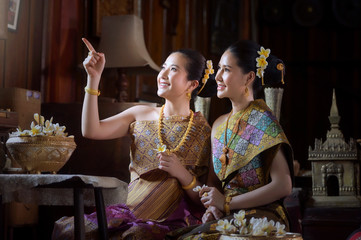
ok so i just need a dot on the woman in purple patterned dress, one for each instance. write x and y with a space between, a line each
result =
252 158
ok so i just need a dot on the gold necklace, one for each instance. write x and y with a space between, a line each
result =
224 157
160 124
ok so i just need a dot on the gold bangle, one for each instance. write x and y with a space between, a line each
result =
92 91
191 185
226 205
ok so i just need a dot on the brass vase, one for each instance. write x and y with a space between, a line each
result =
273 97
41 153
202 104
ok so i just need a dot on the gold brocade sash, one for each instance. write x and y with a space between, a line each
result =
194 154
154 196
258 131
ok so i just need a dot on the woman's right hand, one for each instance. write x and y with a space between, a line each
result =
211 196
95 61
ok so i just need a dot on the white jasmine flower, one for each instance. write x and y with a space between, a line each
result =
59 130
41 128
36 117
239 218
161 148
35 129
199 188
280 229
225 227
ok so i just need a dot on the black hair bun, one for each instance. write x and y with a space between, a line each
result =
275 71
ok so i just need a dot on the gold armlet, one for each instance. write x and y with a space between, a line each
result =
191 185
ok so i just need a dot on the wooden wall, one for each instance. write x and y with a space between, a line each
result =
20 53
45 53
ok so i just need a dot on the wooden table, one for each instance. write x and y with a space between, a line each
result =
59 189
330 223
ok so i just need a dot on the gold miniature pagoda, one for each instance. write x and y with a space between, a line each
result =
335 167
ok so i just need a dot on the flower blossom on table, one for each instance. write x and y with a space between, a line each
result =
255 226
40 127
262 227
280 229
35 130
225 227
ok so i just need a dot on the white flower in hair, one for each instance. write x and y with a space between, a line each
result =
260 72
262 62
264 52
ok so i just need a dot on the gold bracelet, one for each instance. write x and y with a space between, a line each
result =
92 91
191 185
226 205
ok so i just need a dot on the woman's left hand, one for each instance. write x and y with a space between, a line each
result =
212 213
210 196
171 164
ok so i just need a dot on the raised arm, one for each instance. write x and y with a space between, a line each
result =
92 126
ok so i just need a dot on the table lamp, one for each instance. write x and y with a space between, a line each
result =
122 42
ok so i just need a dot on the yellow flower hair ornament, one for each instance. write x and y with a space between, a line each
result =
262 62
209 70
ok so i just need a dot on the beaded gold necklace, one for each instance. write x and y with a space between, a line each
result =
160 126
224 157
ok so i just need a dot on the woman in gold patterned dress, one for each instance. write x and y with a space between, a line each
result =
252 158
170 151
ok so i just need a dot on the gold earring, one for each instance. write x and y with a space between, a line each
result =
189 95
246 92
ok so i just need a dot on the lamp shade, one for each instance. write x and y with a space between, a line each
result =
122 42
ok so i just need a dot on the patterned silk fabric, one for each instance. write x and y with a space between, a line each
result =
152 193
257 139
252 146
258 130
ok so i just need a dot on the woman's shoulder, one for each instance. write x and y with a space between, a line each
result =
145 107
200 120
219 120
145 112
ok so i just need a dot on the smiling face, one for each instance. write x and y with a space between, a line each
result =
172 79
231 79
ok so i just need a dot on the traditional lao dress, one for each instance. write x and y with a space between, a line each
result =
253 142
156 202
